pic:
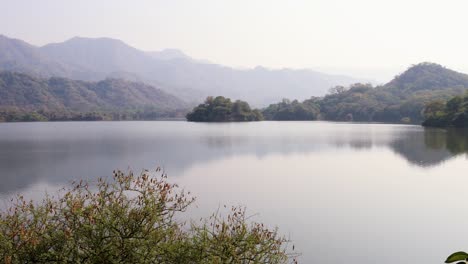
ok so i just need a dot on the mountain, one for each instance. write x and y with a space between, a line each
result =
172 68
169 54
94 59
428 76
401 100
17 55
100 56
27 93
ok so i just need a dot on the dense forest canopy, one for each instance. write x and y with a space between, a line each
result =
452 113
27 98
295 110
221 109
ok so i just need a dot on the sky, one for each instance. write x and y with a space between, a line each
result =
375 39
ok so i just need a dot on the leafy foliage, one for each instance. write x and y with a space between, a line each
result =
221 109
356 103
287 110
131 219
453 113
457 256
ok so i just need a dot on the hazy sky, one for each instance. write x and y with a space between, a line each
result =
369 38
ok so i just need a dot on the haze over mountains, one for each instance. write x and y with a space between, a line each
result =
105 75
94 59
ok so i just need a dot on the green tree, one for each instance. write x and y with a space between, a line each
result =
221 109
453 113
295 110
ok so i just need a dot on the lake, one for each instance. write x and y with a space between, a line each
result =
343 192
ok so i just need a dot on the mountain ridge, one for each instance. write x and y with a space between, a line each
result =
92 59
17 55
28 93
401 100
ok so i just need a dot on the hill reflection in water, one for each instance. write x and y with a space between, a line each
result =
32 153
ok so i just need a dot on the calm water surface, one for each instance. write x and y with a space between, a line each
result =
354 193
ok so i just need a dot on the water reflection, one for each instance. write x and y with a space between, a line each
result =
414 148
434 147
454 140
60 152
368 191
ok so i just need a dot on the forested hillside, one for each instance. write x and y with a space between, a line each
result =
61 98
401 100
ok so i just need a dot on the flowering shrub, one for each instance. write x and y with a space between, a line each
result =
131 219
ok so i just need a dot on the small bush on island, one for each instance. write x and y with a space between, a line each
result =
221 109
131 219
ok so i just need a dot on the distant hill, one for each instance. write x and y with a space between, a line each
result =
401 100
428 76
169 54
94 59
100 56
26 93
17 55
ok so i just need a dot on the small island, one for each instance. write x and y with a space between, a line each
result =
221 109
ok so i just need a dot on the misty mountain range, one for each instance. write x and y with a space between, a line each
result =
95 59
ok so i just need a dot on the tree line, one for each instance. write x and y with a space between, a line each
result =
451 113
18 115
